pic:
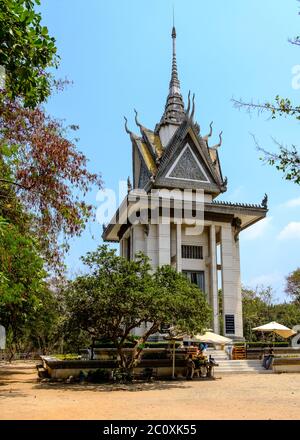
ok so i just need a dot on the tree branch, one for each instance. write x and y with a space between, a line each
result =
16 184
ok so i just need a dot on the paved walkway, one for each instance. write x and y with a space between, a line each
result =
243 396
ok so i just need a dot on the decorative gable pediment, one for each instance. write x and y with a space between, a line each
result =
187 167
186 163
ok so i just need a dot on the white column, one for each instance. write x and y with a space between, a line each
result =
237 276
152 245
164 242
231 280
214 279
138 240
178 247
227 274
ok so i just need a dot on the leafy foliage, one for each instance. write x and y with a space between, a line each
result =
26 52
293 285
119 295
260 308
22 281
49 174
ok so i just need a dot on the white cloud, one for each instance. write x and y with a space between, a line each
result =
291 230
291 203
257 230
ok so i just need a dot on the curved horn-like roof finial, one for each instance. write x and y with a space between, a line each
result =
210 132
136 119
193 107
126 126
220 137
220 142
129 186
189 104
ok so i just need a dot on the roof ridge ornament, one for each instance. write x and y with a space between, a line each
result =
136 119
210 132
189 105
126 125
132 135
215 147
129 185
193 107
264 202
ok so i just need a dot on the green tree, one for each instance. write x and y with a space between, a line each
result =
293 285
287 314
42 166
259 307
257 310
22 283
119 295
26 51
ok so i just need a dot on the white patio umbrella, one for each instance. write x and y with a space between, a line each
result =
211 338
275 328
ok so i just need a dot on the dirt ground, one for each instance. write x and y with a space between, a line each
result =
243 396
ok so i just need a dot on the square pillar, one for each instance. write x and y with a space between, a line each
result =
232 304
178 247
214 278
164 244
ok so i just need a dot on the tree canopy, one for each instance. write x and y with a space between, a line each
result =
119 295
26 51
44 179
260 307
47 171
293 285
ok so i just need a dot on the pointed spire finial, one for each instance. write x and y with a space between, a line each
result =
173 29
173 15
174 109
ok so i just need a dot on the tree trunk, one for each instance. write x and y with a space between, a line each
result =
138 348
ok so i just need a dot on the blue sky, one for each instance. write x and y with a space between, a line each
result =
118 53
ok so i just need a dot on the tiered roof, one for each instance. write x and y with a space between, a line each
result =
151 159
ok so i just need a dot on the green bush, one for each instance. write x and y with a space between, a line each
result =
67 356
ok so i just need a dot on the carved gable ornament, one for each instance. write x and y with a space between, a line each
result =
187 167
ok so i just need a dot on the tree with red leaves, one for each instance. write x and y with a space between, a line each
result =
48 173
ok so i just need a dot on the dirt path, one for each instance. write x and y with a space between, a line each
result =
270 396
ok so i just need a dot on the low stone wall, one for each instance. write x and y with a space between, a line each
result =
286 365
60 369
258 352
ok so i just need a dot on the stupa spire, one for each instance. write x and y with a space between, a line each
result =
174 108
